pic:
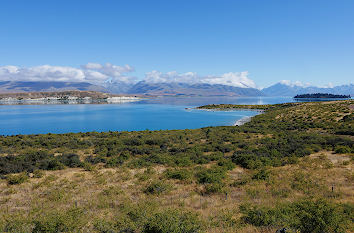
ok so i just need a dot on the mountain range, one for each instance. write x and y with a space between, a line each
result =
173 88
282 89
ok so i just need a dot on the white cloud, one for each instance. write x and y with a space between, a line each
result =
169 77
102 73
41 73
239 79
329 85
91 72
295 84
231 79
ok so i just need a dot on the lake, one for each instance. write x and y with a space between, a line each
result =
152 114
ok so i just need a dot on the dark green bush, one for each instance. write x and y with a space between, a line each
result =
70 160
226 163
51 164
178 174
157 187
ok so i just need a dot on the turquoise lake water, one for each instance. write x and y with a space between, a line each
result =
152 114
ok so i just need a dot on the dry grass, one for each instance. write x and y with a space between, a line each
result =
100 191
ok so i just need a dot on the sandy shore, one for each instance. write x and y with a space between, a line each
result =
243 120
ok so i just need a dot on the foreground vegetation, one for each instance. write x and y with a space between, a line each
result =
290 167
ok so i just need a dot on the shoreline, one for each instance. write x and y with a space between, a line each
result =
239 122
70 100
243 121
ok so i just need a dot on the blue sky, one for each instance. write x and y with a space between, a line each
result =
306 41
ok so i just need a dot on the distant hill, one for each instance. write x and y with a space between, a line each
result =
185 89
171 88
281 89
20 86
140 88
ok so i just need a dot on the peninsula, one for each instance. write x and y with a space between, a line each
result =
321 96
65 97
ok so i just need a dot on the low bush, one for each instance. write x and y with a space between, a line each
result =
70 160
173 221
211 175
213 188
17 179
69 221
157 188
342 149
178 174
226 163
307 216
38 174
261 174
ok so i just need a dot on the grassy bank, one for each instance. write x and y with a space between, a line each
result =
289 167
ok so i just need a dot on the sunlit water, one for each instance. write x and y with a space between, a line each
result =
152 114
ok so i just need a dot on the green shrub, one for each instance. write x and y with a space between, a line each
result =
211 175
226 163
38 174
70 160
114 161
178 174
307 216
318 216
87 166
244 179
213 188
157 188
15 223
17 179
68 221
51 164
261 174
342 149
173 221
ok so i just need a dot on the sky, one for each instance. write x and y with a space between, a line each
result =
254 43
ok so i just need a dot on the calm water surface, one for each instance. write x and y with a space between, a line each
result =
152 114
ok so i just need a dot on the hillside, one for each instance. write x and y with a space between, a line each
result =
289 167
